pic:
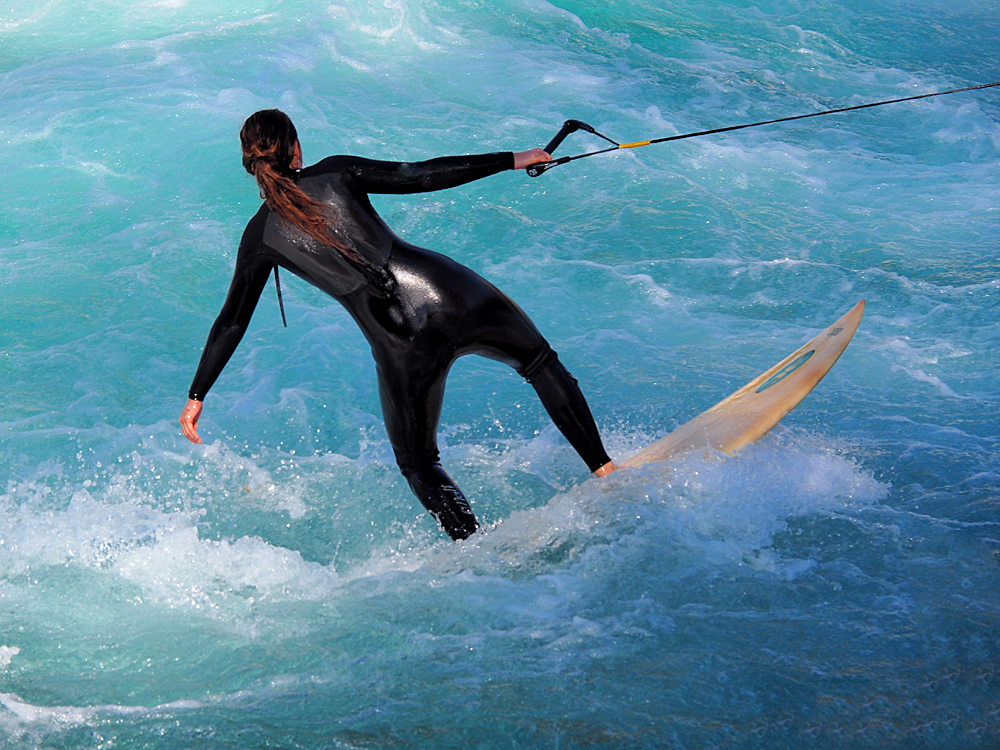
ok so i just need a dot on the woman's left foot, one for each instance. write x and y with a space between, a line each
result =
606 469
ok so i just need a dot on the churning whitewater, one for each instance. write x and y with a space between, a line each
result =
834 584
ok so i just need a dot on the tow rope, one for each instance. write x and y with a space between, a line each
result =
571 126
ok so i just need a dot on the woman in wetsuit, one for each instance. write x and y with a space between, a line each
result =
419 310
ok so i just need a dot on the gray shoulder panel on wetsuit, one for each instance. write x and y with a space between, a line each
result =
318 264
356 227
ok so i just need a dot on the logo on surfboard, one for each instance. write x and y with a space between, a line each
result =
785 371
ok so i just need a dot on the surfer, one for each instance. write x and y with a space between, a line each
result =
419 310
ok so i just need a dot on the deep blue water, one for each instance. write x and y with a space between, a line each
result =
834 585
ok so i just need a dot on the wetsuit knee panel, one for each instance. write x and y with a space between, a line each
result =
535 368
561 396
410 462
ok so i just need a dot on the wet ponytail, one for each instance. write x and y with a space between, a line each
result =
268 139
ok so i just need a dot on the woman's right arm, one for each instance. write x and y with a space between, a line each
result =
250 276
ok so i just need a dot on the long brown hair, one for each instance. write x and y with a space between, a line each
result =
268 139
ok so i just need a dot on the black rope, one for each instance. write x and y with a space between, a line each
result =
537 169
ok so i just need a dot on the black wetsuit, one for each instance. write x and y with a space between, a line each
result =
419 311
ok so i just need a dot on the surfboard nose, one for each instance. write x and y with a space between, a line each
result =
751 411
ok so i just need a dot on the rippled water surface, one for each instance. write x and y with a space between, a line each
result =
834 585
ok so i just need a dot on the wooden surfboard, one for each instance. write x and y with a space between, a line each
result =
760 404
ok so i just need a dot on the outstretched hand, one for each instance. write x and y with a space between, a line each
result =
189 420
524 159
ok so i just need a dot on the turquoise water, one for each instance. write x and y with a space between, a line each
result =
834 585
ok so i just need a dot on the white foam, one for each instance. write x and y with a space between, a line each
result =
545 8
573 78
86 532
923 377
723 512
903 348
7 653
19 715
181 569
116 530
10 23
397 28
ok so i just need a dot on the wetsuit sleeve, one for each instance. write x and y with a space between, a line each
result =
249 278
396 177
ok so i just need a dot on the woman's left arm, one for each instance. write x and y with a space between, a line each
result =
374 176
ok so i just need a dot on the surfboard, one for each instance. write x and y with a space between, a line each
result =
759 405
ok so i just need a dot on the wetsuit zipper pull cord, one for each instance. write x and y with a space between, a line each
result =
281 305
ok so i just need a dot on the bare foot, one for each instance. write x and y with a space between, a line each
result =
606 469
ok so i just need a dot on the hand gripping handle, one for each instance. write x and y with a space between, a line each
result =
570 126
